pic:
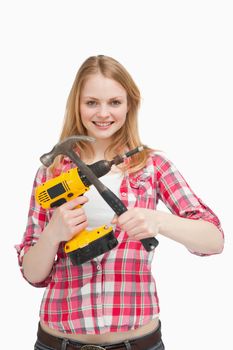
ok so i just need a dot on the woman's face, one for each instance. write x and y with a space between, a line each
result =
103 107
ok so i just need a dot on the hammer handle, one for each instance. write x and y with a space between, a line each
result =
119 208
114 202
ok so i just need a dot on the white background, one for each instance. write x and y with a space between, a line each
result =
180 55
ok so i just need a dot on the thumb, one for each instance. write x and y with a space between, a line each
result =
114 220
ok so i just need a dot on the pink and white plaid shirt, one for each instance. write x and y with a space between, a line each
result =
115 292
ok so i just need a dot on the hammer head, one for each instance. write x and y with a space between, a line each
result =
63 147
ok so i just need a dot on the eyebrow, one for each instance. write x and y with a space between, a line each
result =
94 98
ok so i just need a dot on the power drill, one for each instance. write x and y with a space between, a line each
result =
87 244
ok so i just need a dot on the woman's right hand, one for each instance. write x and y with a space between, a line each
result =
67 220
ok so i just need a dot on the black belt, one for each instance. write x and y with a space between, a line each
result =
140 343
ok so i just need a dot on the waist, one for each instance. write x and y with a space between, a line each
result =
139 342
106 337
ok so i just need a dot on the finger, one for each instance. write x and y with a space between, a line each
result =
79 227
114 219
139 236
143 235
76 212
125 217
132 226
78 221
75 202
135 231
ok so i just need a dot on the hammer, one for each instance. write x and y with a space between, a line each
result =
66 147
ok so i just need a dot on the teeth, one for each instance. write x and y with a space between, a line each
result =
103 124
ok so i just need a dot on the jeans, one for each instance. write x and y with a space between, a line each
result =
40 346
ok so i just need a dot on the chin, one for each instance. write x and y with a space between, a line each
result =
102 136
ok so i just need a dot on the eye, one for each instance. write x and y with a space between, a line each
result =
115 103
91 103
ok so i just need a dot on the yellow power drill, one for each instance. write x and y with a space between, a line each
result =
87 244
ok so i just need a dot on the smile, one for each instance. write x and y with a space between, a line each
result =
103 124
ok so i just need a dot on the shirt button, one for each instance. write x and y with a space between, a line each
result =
98 267
123 194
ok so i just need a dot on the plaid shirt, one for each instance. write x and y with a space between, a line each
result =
115 292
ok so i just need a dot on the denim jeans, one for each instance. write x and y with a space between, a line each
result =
40 346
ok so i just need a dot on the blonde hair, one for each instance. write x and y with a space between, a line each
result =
125 138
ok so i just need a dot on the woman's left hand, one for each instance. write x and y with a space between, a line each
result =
139 223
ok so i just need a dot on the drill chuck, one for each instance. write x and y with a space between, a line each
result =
102 167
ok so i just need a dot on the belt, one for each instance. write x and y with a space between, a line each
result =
140 343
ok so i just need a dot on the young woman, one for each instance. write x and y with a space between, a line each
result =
109 302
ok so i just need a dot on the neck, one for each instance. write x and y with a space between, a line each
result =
99 147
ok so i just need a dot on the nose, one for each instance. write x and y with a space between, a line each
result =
103 111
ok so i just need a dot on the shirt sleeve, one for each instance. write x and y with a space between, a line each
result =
177 195
37 220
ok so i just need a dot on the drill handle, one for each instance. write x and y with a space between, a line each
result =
119 208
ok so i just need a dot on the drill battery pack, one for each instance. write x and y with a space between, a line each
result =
87 245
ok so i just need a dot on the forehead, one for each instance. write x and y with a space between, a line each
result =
99 86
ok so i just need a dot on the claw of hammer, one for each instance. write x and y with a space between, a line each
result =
62 147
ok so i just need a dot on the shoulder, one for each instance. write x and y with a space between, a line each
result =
43 173
159 161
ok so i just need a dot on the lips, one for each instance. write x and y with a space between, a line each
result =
103 124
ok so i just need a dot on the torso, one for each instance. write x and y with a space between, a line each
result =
110 337
107 337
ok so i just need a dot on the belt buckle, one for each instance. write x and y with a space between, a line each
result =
92 347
